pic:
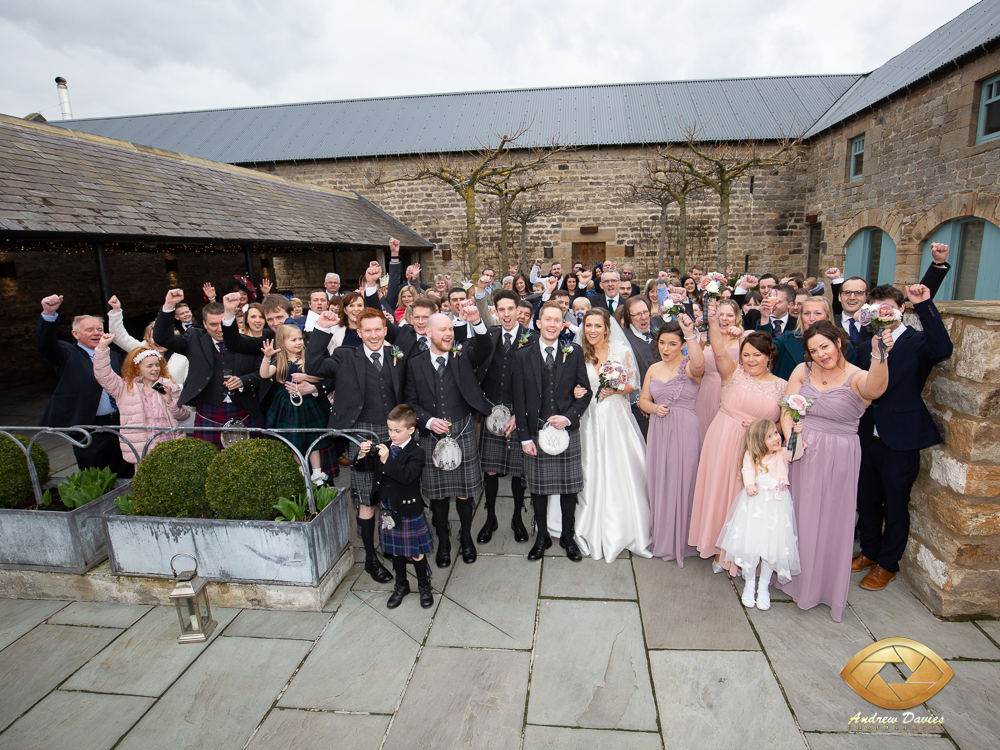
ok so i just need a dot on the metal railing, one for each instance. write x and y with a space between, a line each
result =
81 436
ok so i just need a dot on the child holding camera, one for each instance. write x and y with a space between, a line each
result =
403 531
146 396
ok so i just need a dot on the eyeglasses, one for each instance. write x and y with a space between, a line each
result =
845 293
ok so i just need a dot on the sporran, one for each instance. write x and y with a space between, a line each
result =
498 419
235 431
552 440
447 455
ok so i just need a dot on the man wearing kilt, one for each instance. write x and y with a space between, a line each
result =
442 387
499 454
547 378
216 399
369 385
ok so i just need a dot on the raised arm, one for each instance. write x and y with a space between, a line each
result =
47 331
123 339
163 328
872 384
395 273
107 378
696 355
723 361
937 270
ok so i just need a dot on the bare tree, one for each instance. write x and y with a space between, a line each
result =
507 193
473 173
719 166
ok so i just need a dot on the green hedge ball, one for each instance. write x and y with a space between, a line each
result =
247 478
170 480
15 481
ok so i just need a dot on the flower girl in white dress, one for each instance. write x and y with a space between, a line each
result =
760 526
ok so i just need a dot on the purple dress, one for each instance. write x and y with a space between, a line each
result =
673 447
824 487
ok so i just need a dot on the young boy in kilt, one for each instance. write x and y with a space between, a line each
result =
403 531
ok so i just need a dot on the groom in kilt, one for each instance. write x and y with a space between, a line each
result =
546 380
500 455
442 387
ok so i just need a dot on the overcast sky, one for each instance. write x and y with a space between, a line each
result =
136 56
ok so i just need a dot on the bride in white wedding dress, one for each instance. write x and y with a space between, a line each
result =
613 511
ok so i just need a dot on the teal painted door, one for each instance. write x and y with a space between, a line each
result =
988 276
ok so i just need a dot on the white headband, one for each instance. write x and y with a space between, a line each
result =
147 353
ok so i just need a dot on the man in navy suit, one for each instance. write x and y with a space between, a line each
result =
78 398
893 430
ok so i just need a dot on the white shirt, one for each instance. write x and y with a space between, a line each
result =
784 323
640 334
369 353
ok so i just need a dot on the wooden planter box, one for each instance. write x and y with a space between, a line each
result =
297 554
55 541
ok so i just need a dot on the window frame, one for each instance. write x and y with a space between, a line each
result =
853 176
993 81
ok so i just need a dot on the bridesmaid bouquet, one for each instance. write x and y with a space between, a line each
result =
612 375
670 309
712 283
796 405
878 315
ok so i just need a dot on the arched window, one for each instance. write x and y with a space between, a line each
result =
871 254
974 257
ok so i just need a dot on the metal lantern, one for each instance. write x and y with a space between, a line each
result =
193 609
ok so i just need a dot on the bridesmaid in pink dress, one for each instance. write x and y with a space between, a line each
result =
749 392
710 390
824 482
674 443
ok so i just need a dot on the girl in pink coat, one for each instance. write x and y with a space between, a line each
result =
146 396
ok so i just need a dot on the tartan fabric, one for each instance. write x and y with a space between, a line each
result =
362 481
499 454
464 481
283 414
210 415
410 537
555 475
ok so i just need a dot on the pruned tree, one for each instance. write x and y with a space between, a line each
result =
525 207
719 166
475 173
508 192
662 184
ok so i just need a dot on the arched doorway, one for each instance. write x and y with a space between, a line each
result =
974 257
871 254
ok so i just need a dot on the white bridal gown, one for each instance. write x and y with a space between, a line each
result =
613 510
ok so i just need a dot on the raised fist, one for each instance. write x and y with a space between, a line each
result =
231 302
918 292
393 247
175 297
106 339
50 305
328 319
832 273
114 304
939 252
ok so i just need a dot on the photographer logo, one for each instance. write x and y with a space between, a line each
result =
866 676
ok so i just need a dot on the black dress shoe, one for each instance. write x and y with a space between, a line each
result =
486 533
426 595
377 570
572 551
396 597
517 526
542 543
443 556
468 550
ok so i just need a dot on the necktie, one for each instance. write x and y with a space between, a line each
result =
394 450
550 358
649 339
422 344
506 341
611 305
441 363
776 328
852 330
377 361
222 348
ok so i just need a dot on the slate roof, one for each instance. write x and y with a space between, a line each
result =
58 180
734 109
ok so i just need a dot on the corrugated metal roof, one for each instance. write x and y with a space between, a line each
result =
967 33
58 180
733 109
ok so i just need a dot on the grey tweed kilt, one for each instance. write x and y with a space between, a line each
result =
464 481
499 454
555 475
362 481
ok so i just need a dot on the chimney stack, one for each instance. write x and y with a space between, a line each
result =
67 113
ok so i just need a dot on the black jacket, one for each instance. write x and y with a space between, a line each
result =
571 371
421 377
397 481
78 394
496 387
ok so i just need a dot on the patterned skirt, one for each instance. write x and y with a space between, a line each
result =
362 481
410 537
555 475
464 481
210 415
500 454
284 415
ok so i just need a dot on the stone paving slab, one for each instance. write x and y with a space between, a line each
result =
409 616
147 658
992 628
18 616
894 612
101 615
716 699
563 738
590 667
968 704
587 579
259 623
220 700
463 698
36 663
361 663
291 729
877 742
691 607
501 591
503 542
81 721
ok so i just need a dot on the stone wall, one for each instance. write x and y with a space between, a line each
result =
952 561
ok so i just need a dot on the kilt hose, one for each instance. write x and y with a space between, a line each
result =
555 475
464 481
362 482
500 454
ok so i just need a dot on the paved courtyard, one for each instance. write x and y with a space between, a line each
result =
633 654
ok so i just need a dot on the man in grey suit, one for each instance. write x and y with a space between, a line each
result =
635 322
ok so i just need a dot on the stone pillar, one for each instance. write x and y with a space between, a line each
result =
952 560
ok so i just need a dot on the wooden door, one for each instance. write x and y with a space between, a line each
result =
589 253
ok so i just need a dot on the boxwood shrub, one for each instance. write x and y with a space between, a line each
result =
170 480
15 482
247 478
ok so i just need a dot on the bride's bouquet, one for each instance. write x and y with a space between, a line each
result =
612 375
712 283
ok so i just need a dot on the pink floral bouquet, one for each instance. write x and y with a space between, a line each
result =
612 375
796 405
712 283
878 315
